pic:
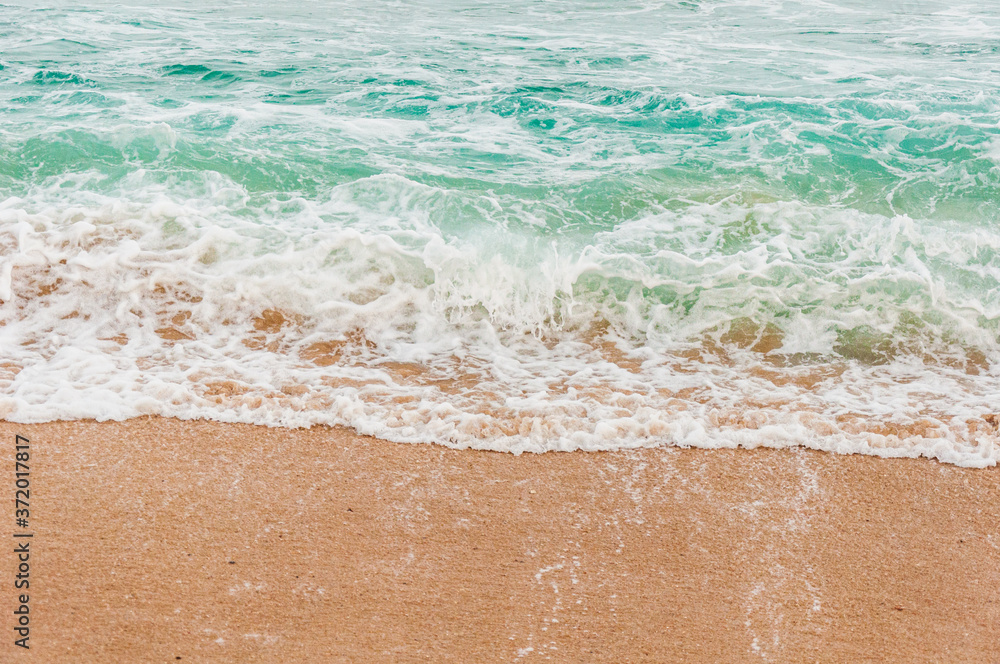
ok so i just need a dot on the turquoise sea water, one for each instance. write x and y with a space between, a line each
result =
529 226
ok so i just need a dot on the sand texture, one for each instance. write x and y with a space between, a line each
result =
158 540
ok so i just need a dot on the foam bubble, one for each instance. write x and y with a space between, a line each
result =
809 334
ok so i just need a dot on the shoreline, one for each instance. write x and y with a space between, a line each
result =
168 540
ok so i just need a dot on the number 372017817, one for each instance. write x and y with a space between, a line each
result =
22 471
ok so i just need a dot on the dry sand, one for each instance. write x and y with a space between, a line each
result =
158 540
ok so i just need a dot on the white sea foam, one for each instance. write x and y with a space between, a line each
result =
182 308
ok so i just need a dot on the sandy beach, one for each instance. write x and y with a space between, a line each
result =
533 244
159 540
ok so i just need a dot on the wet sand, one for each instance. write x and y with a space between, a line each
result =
158 540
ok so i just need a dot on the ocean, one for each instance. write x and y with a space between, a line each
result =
523 226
